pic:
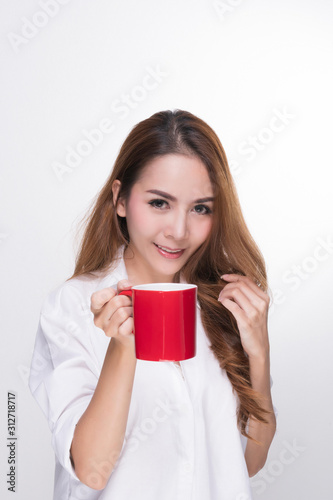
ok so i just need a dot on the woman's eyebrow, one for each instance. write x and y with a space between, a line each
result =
172 198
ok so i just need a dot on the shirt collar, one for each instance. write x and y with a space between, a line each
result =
118 270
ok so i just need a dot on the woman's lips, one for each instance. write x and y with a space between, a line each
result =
169 253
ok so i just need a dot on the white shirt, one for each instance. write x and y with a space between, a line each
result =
182 440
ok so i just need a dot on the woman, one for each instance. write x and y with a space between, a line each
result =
126 428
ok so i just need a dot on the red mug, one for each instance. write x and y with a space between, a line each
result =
164 321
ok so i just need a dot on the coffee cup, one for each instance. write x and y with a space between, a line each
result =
164 321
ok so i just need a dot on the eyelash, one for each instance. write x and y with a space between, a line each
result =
153 203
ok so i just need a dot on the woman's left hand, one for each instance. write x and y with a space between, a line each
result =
249 305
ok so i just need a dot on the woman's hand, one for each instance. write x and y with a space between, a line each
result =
249 305
113 313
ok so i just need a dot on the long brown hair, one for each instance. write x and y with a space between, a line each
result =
230 248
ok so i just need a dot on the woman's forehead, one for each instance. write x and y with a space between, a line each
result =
177 173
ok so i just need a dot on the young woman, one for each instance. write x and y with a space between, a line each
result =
126 428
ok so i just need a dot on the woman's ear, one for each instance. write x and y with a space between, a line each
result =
120 208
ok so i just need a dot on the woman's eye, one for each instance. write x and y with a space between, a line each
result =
158 203
202 209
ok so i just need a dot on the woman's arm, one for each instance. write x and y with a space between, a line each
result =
256 455
249 305
100 432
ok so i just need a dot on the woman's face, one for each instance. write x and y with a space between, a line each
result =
168 215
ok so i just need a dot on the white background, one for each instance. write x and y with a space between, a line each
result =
237 66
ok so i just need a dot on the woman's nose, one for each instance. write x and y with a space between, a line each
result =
177 225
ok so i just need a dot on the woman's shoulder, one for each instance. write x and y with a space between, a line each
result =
77 291
67 295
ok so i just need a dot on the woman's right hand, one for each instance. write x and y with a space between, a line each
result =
113 313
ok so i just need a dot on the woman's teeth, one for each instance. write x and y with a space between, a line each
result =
169 251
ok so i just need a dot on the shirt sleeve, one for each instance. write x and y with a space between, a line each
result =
63 373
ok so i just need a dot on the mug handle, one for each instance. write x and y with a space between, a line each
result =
126 292
129 294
